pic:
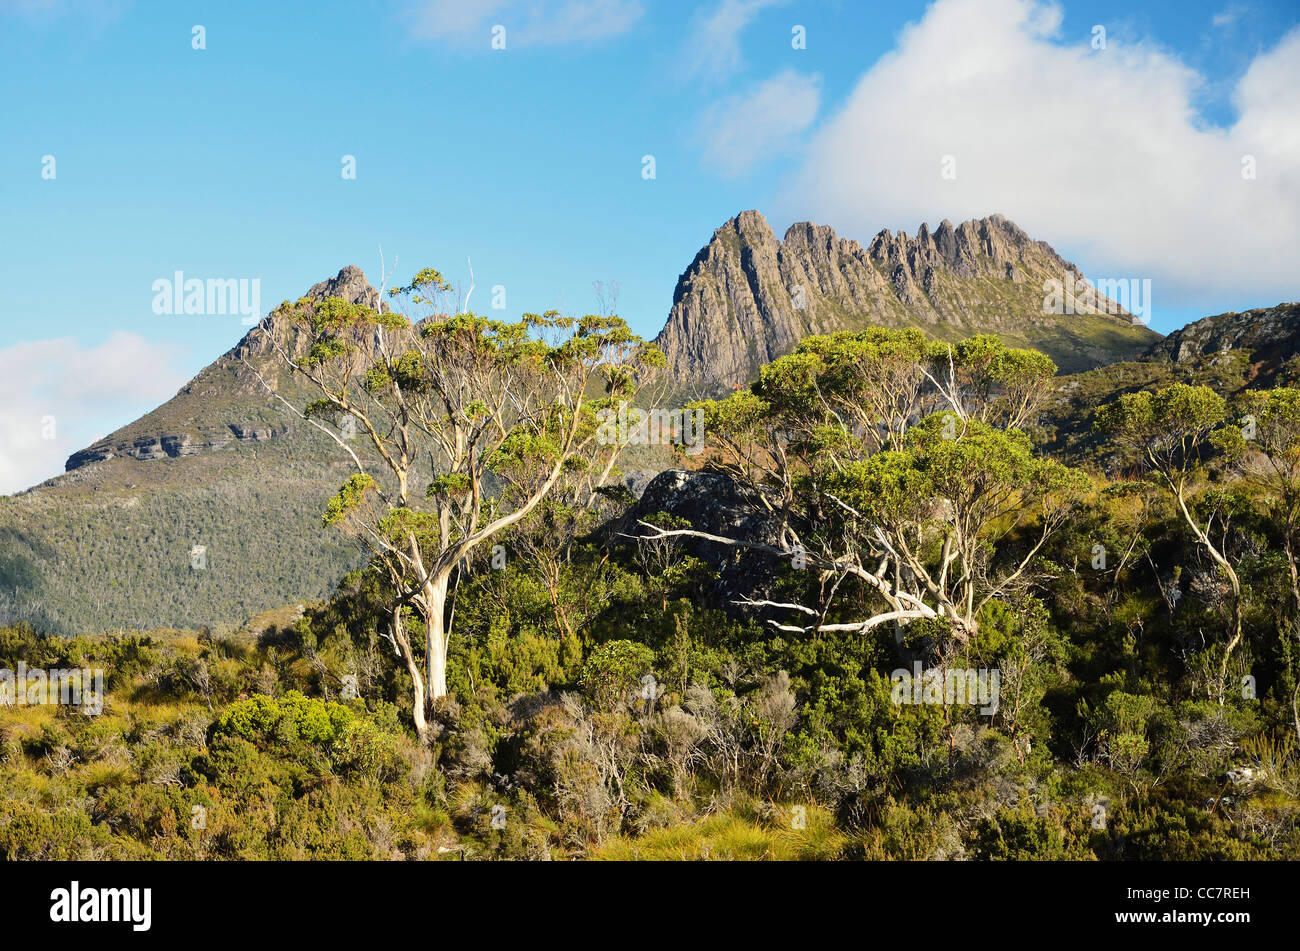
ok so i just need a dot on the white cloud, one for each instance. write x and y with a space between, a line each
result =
744 129
712 49
57 396
1101 151
535 23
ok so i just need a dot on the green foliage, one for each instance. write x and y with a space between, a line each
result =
1167 428
348 498
286 719
613 670
1107 706
1021 835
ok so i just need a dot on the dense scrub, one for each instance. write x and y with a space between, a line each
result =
754 745
609 698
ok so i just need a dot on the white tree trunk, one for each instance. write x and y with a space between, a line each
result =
436 635
418 700
417 681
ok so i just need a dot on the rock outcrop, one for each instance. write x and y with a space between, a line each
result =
1269 335
152 447
712 502
350 284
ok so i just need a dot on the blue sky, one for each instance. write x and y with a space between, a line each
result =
225 162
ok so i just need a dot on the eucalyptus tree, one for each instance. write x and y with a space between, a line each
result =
1172 432
899 463
460 427
1264 444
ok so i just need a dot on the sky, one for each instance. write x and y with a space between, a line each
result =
543 146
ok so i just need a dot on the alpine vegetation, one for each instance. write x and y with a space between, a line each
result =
75 687
947 686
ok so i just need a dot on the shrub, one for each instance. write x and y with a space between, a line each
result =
287 719
613 670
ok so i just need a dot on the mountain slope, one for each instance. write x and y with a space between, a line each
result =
225 467
1228 352
225 404
222 466
748 297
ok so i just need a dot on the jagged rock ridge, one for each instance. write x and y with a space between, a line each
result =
748 297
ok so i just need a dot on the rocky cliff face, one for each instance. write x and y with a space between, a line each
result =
748 297
1270 335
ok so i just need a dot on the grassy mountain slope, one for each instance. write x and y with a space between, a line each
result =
1228 352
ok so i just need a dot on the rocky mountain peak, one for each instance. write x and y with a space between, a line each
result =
750 222
749 297
351 285
225 404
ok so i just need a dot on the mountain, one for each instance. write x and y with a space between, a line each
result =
206 511
226 403
748 297
203 512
